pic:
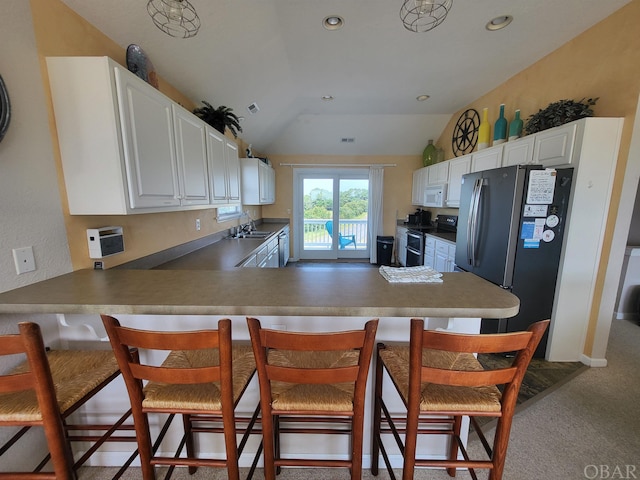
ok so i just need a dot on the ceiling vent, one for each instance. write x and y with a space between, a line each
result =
253 108
348 140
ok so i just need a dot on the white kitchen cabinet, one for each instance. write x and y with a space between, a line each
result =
441 255
430 251
420 179
486 159
191 153
438 173
258 182
457 168
118 142
224 168
554 147
401 245
518 152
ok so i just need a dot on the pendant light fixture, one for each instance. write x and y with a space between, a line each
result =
424 15
176 18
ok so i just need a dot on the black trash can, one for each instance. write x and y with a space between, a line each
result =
385 249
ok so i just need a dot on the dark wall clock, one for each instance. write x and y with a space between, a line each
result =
5 109
465 133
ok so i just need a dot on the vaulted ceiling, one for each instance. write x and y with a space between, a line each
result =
276 53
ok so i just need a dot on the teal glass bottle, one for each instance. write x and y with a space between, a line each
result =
515 127
500 128
429 154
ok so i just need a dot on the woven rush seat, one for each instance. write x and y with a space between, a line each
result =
75 373
201 396
436 397
332 397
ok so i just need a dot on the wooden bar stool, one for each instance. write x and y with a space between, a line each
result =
312 383
202 378
440 380
44 390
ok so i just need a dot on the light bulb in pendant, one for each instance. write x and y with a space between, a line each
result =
174 10
425 7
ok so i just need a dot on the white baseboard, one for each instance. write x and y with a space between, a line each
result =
593 362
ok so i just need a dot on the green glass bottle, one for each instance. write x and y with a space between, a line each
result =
484 130
429 154
515 127
500 128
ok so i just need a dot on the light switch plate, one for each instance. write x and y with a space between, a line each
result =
23 258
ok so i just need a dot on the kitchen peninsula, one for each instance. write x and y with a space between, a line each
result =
292 298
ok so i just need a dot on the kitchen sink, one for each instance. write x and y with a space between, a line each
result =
255 234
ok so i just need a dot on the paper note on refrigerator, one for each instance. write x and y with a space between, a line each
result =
542 184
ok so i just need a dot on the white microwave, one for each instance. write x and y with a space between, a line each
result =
435 195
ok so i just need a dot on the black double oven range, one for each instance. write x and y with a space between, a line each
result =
445 227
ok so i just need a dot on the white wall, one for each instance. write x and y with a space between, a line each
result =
30 210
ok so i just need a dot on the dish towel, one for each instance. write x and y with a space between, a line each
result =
419 274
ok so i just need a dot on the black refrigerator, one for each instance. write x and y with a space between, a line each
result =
511 226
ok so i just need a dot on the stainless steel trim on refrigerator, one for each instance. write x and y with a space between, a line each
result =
472 221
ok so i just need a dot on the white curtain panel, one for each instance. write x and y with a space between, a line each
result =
376 182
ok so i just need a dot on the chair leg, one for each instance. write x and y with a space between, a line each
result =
141 424
60 450
276 441
357 425
377 413
188 432
500 444
453 448
411 438
269 449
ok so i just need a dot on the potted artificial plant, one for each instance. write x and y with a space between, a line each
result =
219 118
559 113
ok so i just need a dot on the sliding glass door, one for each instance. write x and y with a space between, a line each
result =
330 211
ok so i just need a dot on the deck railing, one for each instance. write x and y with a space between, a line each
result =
316 235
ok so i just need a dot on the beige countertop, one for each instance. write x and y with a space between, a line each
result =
225 254
291 291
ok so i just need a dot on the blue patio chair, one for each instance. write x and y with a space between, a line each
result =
343 240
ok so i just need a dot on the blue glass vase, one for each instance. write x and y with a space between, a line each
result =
500 128
515 127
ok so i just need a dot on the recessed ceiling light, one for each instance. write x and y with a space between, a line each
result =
422 98
327 98
499 22
333 22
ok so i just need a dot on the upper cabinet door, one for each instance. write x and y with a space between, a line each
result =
191 152
217 166
486 159
224 168
518 152
149 150
555 147
233 171
438 173
457 168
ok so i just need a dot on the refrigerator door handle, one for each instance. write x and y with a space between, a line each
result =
472 227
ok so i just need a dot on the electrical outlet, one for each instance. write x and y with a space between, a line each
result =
198 224
23 258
